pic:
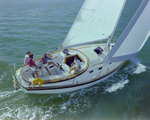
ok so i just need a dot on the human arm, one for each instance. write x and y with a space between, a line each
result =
40 61
53 58
72 63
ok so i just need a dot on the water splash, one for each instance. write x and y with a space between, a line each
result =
24 112
120 79
51 106
117 86
136 67
140 68
5 94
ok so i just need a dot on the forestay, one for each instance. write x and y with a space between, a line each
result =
134 36
95 21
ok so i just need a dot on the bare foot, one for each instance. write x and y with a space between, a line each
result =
50 74
29 83
33 75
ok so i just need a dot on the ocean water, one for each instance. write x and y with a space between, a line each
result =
41 26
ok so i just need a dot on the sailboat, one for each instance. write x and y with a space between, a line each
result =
96 22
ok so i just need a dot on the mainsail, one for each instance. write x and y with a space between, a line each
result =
95 21
134 36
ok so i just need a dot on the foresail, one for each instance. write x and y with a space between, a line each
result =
95 21
134 36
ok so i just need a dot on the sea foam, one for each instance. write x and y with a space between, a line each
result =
117 86
140 68
8 93
136 67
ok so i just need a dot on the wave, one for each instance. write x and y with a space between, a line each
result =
136 67
5 94
140 68
117 86
120 79
47 106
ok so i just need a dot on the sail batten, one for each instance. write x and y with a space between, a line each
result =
96 20
133 37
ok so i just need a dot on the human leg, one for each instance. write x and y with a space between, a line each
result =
47 70
75 70
49 63
71 70
29 83
34 71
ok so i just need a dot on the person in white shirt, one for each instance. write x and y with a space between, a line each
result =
77 65
26 59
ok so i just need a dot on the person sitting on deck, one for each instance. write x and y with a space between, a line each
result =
44 59
33 65
77 63
26 59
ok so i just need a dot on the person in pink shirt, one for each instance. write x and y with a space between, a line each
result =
26 59
32 65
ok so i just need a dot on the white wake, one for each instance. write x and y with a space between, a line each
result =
117 86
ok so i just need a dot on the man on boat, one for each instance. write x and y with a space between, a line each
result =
45 59
77 67
33 66
26 59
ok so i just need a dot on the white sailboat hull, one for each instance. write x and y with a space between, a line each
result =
68 89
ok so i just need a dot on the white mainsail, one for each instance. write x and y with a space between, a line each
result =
134 36
95 21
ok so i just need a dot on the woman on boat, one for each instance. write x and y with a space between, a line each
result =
33 66
27 58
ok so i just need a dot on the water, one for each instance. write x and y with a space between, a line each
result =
36 25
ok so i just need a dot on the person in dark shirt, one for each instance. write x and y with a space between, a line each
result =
45 62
